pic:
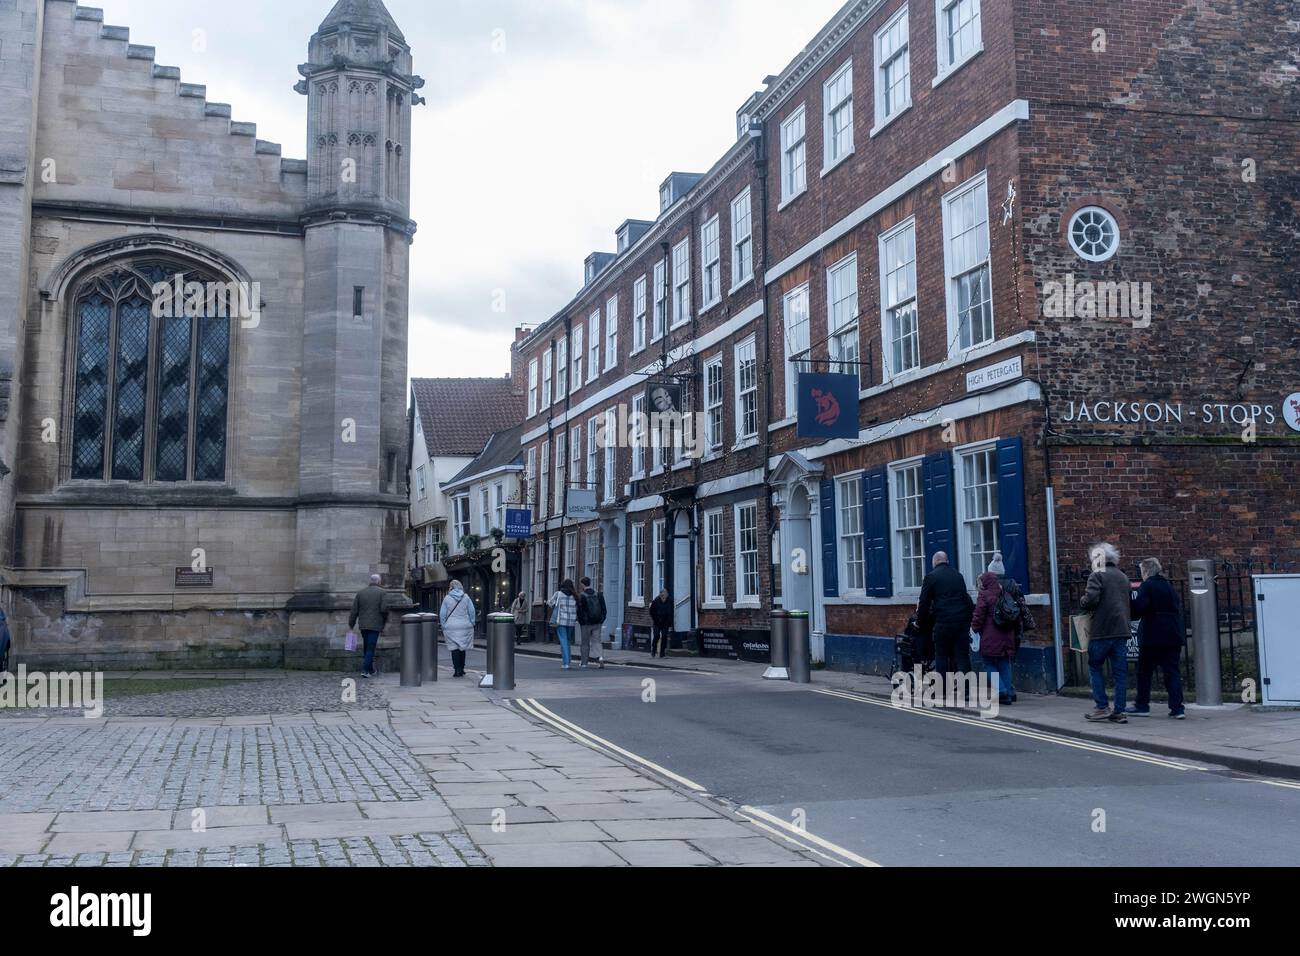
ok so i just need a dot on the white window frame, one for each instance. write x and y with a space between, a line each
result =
593 346
639 317
534 389
964 518
531 477
833 152
638 436
744 438
575 376
544 482
591 556
848 323
539 572
974 184
715 561
711 263
561 368
797 349
897 529
485 511
659 536
637 550
576 451
570 557
611 333
681 303
659 318
794 156
499 505
553 578
715 399
561 472
743 597
948 66
843 536
611 455
593 460
890 301
546 379
897 26
421 483
742 239
460 514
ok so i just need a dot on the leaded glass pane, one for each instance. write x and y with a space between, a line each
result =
91 403
173 400
210 417
130 387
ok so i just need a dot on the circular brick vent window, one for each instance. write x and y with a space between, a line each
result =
1094 234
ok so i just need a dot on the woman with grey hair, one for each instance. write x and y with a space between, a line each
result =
1107 598
457 616
1161 636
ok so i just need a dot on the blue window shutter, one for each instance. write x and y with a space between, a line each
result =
830 555
875 523
1012 534
940 509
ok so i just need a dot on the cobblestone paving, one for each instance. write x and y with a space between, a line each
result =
124 766
289 695
424 849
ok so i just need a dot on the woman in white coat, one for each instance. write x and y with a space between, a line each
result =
457 616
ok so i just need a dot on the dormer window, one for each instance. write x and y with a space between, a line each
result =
665 196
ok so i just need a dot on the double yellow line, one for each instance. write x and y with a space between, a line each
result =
759 818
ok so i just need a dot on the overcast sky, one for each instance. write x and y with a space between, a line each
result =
549 122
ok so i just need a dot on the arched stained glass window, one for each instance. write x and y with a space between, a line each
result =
151 376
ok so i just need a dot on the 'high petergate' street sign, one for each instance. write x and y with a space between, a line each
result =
1186 416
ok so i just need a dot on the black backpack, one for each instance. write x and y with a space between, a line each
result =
1006 612
589 609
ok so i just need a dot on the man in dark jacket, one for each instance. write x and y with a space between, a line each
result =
944 611
1160 640
4 648
368 611
1109 597
661 618
591 618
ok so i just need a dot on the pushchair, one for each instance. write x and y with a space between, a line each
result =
913 647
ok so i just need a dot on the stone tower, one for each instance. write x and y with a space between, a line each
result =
352 473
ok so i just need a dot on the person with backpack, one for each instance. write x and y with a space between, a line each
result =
457 616
591 618
997 620
661 621
564 617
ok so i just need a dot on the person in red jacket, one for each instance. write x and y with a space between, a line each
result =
998 639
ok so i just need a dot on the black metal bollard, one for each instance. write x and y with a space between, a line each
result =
800 650
780 650
429 648
501 646
411 650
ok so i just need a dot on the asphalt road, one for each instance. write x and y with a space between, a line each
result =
902 788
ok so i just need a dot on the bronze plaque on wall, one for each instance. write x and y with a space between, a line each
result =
189 578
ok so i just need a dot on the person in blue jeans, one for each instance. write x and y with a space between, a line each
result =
1109 598
564 615
368 612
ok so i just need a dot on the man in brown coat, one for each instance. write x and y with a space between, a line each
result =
1109 597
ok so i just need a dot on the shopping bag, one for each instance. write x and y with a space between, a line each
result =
350 642
975 642
1080 632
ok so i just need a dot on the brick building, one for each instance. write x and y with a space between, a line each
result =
1024 226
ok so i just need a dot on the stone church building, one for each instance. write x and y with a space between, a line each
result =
203 478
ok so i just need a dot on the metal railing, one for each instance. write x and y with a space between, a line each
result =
1235 593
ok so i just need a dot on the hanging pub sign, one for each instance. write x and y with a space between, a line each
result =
664 398
828 405
580 504
519 523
